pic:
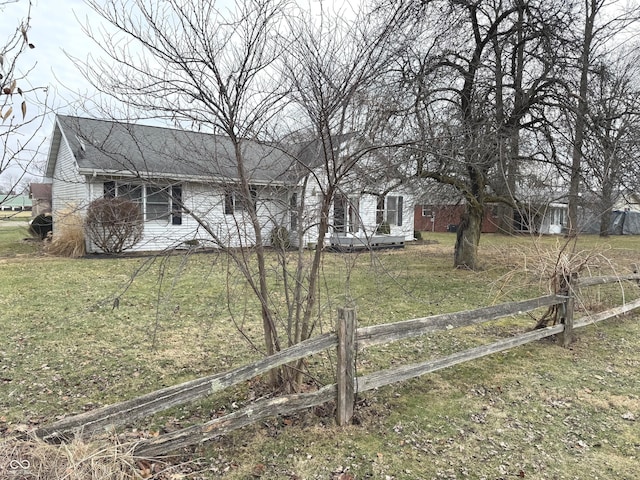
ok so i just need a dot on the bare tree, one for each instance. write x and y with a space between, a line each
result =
602 22
244 74
613 132
196 64
333 67
481 80
19 120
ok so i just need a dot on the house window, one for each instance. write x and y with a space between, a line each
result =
389 210
176 205
427 211
130 191
346 214
157 203
558 216
235 201
109 189
293 215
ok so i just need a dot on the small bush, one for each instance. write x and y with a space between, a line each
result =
68 238
280 238
417 234
114 224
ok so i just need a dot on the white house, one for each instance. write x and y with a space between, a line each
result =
187 186
553 218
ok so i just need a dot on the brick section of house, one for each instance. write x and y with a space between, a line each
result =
447 218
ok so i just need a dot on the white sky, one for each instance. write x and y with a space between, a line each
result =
54 31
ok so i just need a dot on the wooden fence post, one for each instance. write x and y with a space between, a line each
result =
567 336
346 330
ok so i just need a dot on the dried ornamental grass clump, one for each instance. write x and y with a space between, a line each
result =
68 236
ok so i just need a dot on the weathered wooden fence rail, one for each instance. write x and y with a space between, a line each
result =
160 400
347 339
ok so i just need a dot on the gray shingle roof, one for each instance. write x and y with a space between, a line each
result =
111 147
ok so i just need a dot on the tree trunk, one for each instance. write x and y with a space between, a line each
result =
509 131
270 333
505 219
468 237
581 116
606 206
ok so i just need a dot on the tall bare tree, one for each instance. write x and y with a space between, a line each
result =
245 73
613 132
602 21
333 66
477 85
200 65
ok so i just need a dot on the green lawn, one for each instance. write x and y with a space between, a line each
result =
538 411
15 240
14 216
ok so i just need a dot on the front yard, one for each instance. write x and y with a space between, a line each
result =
77 334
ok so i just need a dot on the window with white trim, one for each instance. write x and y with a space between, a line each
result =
161 204
389 210
235 201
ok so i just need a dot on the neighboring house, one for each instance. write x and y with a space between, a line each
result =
551 219
40 195
14 202
446 218
177 176
545 219
441 207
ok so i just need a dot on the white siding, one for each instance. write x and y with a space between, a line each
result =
367 208
69 189
207 203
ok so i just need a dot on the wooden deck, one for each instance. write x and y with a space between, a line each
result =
351 243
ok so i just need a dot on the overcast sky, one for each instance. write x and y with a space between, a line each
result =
55 32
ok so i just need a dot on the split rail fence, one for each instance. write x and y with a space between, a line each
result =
348 339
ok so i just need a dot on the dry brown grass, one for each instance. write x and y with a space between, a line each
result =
544 259
35 459
98 459
68 238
